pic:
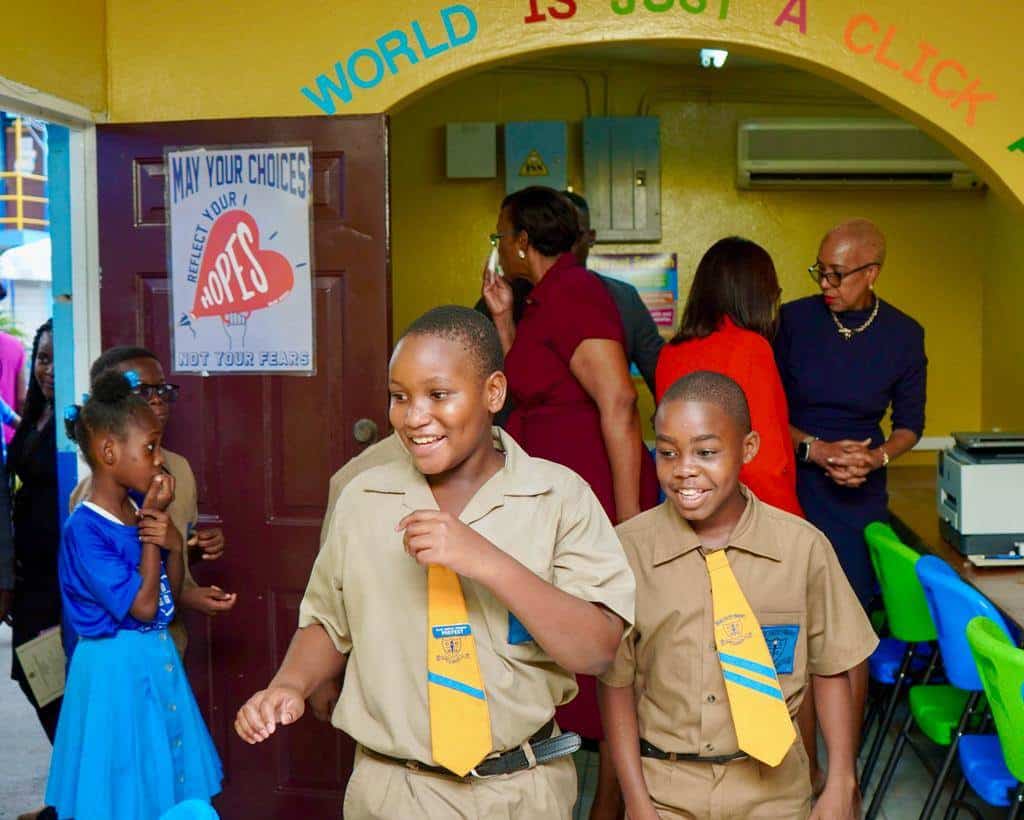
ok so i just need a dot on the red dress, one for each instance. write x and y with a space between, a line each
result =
745 357
555 418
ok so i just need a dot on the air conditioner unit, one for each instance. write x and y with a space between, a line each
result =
845 153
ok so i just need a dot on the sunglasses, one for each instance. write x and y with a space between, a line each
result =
167 393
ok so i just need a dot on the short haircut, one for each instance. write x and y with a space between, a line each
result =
466 327
110 408
548 218
114 356
862 232
711 388
735 278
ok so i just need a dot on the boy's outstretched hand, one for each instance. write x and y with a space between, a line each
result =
434 537
260 715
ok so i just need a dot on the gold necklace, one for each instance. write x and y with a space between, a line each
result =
848 332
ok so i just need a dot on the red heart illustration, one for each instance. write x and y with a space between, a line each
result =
236 275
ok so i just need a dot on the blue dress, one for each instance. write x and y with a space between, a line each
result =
839 389
131 742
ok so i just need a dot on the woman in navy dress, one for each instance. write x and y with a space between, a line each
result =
845 358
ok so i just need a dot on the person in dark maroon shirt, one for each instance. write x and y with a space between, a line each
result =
574 399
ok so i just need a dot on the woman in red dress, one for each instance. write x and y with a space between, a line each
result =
574 400
728 324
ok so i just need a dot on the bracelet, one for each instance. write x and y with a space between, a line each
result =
885 456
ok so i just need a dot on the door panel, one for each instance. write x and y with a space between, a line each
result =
262 447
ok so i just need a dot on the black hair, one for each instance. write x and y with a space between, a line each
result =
712 388
35 402
112 357
466 327
735 278
549 219
110 408
578 201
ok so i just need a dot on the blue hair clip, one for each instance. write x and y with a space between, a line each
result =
133 379
71 413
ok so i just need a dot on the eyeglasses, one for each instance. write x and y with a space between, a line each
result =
834 277
496 238
167 393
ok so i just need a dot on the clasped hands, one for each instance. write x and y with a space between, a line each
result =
847 462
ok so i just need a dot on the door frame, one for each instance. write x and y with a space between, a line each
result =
74 232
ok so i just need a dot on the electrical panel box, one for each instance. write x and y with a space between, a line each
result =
471 150
622 178
535 154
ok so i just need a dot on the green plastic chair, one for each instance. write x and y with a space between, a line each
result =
909 621
1001 668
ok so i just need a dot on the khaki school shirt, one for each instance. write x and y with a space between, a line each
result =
184 514
383 452
371 597
791 577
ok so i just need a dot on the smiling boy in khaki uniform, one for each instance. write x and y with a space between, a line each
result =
666 701
547 593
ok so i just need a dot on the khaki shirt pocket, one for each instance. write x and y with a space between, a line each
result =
785 635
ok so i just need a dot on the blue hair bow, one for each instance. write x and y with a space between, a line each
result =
71 413
133 379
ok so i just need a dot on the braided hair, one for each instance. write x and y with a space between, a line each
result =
110 408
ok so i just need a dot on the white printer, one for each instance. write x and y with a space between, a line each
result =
980 493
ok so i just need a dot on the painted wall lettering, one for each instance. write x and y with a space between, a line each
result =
1018 145
800 18
947 79
561 10
367 67
692 6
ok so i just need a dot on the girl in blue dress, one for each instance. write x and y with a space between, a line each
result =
131 742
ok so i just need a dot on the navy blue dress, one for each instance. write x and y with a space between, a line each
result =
841 389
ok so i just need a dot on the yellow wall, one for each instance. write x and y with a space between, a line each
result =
58 47
1003 317
193 58
935 265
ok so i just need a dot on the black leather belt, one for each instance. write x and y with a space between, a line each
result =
650 750
543 747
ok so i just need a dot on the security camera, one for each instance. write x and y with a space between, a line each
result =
713 57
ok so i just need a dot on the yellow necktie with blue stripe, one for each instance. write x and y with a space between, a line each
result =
764 729
460 724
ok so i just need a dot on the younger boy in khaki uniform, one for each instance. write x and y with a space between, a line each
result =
547 593
665 704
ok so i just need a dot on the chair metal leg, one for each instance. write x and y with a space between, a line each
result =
953 809
887 717
874 706
897 748
935 792
1017 807
890 768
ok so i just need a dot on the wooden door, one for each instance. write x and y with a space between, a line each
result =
262 447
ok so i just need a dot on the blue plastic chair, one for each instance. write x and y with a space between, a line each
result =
952 604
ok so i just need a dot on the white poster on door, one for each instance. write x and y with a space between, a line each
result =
240 260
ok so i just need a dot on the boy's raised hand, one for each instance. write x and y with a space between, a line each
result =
259 716
210 540
435 537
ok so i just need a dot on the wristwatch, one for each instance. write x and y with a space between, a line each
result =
803 449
